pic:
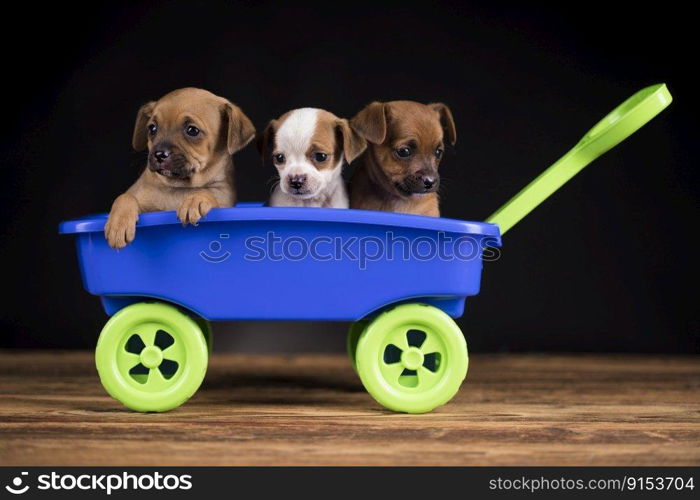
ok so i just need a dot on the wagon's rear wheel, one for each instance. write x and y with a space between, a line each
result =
412 358
151 357
207 331
353 337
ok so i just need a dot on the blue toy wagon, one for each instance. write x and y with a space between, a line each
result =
399 278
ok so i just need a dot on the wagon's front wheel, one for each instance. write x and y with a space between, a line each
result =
151 357
412 358
354 333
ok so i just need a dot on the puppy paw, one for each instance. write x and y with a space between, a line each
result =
120 229
194 207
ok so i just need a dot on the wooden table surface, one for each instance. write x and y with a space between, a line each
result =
312 409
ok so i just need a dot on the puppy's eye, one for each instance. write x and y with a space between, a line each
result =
152 129
320 157
404 152
438 153
192 131
279 158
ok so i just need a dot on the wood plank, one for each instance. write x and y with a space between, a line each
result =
307 410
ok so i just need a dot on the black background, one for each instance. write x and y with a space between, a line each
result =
607 264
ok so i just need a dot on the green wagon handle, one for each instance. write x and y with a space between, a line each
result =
617 126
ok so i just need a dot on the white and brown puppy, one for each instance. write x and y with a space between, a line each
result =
190 135
399 170
308 147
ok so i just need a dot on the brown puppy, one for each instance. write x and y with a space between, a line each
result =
190 134
399 170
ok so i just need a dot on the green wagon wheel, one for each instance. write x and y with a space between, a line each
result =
412 358
151 357
207 331
352 338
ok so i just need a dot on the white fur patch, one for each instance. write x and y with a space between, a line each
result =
293 138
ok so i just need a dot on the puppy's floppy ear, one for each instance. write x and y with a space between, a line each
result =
240 130
265 139
371 122
448 123
353 143
139 140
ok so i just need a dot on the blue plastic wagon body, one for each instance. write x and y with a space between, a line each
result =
261 263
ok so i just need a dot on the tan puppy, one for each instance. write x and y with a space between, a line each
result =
399 170
191 135
308 147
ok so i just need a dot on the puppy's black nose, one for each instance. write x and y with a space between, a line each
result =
161 156
297 181
428 182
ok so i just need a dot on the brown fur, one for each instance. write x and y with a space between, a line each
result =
201 177
384 181
335 136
